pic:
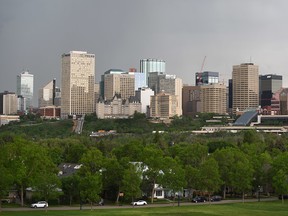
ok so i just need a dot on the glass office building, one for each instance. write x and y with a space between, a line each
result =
25 84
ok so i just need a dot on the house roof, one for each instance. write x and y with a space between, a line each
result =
67 169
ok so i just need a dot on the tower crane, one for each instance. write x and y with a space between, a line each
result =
201 70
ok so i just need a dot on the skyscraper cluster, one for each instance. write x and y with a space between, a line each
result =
150 91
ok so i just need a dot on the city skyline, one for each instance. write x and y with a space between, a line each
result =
34 35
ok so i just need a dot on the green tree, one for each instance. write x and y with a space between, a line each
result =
70 187
27 160
112 176
91 175
6 179
225 158
174 175
153 167
47 184
280 170
242 174
211 180
131 182
193 178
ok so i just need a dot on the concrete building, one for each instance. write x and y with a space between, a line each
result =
268 85
117 108
164 106
170 84
283 97
151 65
119 83
8 103
213 98
206 78
191 103
143 95
49 95
50 112
245 78
77 85
25 88
6 119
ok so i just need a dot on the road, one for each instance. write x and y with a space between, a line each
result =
59 208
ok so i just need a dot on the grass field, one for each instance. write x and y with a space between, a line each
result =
237 209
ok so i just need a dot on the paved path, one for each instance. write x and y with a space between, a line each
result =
59 208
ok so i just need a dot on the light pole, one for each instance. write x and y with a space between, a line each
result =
259 188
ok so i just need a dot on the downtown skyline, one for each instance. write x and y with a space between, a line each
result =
34 35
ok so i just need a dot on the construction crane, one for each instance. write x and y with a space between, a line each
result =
200 72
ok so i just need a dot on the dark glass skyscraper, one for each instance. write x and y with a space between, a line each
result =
268 85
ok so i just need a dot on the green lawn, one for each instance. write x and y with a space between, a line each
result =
237 209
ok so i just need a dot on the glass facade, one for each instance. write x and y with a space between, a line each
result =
206 78
25 84
151 65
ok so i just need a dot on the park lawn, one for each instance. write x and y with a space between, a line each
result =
239 209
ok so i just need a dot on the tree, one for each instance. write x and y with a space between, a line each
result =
112 177
27 160
47 183
70 187
91 185
242 174
225 158
280 170
6 178
153 167
193 178
210 176
91 176
174 175
131 182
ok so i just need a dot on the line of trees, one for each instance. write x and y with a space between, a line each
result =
211 164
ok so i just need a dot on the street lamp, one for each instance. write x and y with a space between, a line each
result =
259 189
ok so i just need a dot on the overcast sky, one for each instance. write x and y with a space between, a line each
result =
35 33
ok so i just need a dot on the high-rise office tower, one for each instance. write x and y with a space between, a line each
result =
77 85
213 98
49 95
191 102
121 84
206 78
268 85
151 65
25 85
245 81
169 84
164 105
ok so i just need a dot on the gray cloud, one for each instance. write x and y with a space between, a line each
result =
34 34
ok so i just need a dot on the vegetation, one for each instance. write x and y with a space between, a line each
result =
132 162
249 209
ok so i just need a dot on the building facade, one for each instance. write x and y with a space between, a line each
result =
268 85
151 65
170 84
49 95
8 103
25 88
245 81
143 95
213 98
117 108
77 85
191 103
206 78
120 83
164 106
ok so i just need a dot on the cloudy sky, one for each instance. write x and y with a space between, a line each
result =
34 34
